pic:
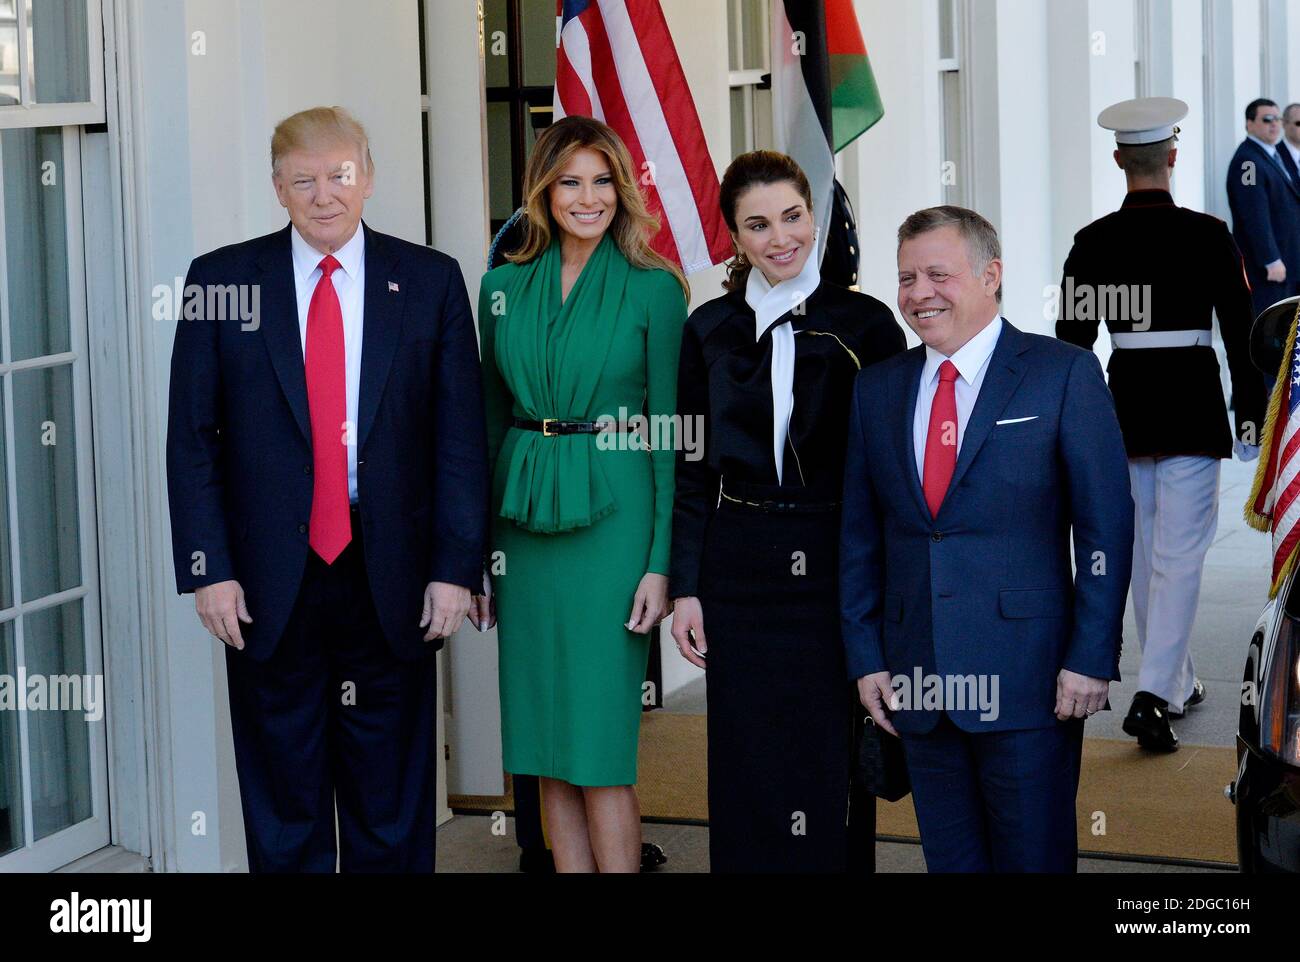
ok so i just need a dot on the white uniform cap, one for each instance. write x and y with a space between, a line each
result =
1147 120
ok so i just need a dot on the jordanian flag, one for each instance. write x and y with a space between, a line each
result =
855 99
823 92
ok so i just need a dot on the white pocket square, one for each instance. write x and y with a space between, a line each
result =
1018 420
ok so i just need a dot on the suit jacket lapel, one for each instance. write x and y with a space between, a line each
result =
381 327
1006 370
906 385
279 326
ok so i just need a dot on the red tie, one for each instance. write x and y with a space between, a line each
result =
330 529
941 442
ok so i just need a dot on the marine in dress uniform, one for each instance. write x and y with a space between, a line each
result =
1155 273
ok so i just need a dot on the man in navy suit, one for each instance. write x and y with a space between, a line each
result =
327 473
1265 200
971 459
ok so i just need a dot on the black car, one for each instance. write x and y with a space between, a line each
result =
1266 791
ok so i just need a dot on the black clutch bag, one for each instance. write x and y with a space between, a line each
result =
879 766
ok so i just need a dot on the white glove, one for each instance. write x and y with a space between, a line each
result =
1245 452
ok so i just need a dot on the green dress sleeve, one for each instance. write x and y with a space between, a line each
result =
666 306
497 402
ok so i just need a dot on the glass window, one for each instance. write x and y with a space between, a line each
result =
59 741
36 242
45 456
539 24
11 781
49 776
496 42
947 42
56 43
500 191
9 78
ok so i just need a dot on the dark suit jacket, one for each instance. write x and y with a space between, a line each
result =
1170 399
986 588
1265 221
239 452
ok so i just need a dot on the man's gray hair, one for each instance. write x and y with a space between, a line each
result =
982 244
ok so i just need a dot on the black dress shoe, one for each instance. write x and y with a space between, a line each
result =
1195 698
652 856
1148 721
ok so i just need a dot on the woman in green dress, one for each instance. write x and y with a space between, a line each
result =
581 331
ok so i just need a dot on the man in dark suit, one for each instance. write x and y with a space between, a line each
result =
327 473
1265 202
1131 269
971 459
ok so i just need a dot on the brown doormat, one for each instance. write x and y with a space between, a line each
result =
1131 803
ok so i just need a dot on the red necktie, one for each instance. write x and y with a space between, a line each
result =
330 528
941 442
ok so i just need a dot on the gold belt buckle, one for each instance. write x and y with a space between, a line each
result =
546 428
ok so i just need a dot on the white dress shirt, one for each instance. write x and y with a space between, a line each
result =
971 361
350 285
1271 150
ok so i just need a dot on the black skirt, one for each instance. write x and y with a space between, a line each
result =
779 698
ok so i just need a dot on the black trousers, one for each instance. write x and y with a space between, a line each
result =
333 720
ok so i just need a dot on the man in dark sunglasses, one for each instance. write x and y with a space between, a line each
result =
1264 195
1288 150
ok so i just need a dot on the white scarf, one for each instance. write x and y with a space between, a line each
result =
770 303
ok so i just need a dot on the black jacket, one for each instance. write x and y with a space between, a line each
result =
1177 268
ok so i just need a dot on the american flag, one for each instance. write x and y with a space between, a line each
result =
1274 504
616 62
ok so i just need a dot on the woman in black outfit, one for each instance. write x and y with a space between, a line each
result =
769 368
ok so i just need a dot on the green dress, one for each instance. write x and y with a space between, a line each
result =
577 520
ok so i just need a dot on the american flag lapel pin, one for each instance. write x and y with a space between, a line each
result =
392 287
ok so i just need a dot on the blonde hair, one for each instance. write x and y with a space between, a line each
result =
633 225
317 126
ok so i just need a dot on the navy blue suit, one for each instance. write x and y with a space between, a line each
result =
986 589
1265 221
239 465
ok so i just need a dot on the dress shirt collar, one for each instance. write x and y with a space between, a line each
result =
307 258
1270 149
969 358
1294 150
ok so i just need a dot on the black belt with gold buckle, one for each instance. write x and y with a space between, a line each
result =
555 427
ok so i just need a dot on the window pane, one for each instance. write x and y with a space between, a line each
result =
739 136
60 50
756 38
501 203
947 48
6 562
764 135
59 741
954 171
496 46
45 458
36 248
538 43
735 36
8 53
11 784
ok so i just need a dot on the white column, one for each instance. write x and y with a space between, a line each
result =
1183 35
